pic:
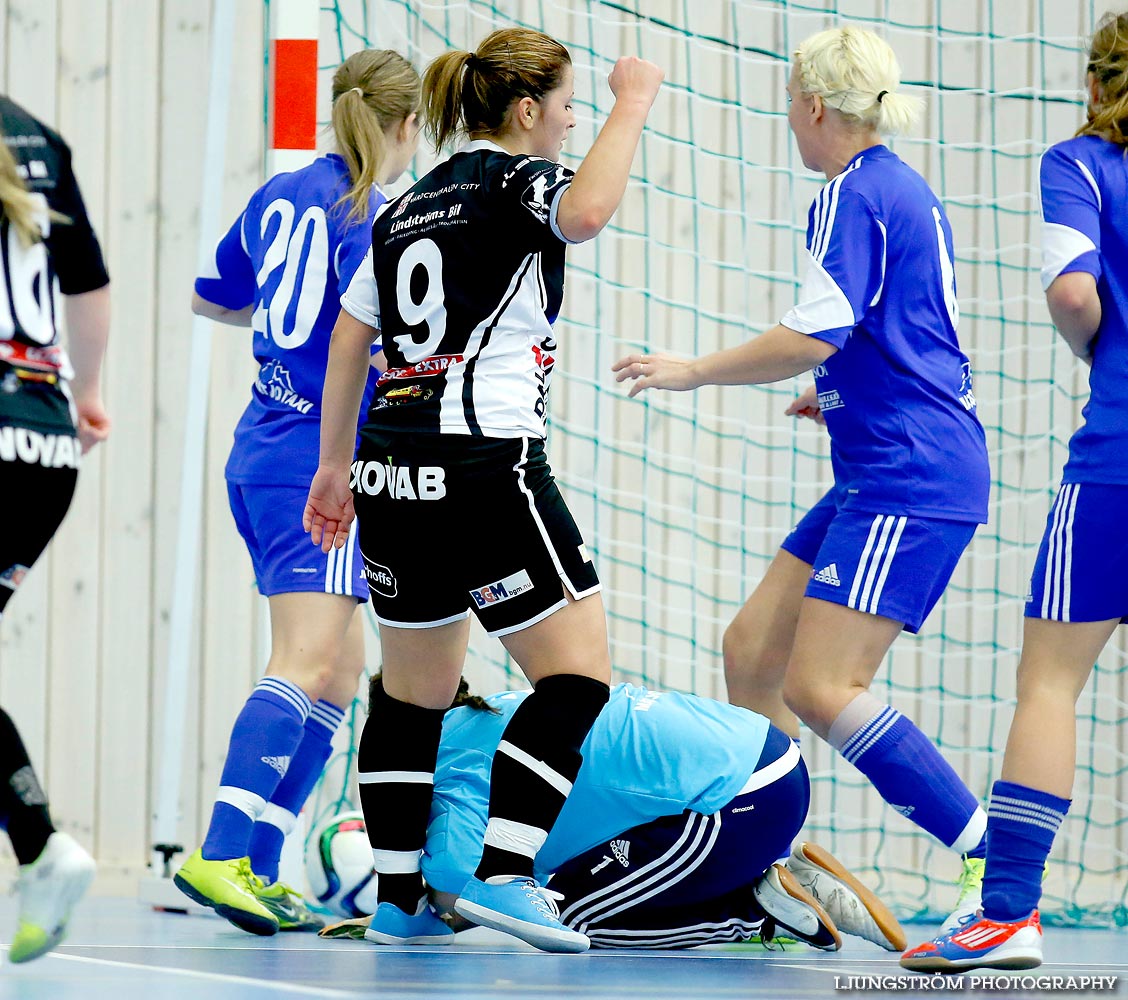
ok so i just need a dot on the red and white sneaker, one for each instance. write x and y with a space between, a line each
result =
979 943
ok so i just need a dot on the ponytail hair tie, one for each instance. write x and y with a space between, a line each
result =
881 95
361 92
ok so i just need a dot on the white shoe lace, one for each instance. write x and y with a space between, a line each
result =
543 899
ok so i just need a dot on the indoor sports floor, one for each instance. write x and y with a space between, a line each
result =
119 949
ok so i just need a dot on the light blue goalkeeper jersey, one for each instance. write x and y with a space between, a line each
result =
648 755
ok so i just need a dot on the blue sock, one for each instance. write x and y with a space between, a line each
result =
908 771
281 813
1021 824
263 740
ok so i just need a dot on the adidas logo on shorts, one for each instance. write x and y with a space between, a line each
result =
828 574
620 848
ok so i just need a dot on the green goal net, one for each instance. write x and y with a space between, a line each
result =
684 498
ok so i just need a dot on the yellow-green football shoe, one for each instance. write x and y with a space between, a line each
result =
229 888
288 907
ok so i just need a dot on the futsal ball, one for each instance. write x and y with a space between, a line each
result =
339 866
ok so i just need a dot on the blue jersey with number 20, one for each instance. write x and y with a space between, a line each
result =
897 394
290 254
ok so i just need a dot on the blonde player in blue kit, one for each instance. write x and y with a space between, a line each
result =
280 270
876 322
1078 590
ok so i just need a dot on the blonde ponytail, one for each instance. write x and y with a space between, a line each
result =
19 206
856 73
373 90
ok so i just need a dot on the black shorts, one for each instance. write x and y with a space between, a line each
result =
38 474
451 524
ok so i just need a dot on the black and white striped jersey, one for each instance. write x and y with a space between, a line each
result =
464 281
69 252
68 258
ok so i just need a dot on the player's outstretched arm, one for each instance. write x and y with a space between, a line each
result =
594 195
221 314
329 510
777 354
88 331
806 404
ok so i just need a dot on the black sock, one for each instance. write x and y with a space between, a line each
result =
398 737
23 803
534 767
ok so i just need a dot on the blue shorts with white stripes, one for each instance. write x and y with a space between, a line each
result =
285 561
882 564
1079 573
685 880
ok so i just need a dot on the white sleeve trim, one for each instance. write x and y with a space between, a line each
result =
1092 183
361 300
1061 246
552 217
822 304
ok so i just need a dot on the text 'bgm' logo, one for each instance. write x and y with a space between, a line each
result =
427 482
380 578
502 590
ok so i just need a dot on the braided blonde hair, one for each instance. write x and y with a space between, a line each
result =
856 73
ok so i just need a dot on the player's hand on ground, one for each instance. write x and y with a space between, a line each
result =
93 422
806 404
655 371
329 510
633 78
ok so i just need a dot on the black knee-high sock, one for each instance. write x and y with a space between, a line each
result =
400 741
533 770
23 803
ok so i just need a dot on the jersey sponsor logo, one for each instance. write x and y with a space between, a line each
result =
48 358
404 202
536 196
427 482
828 574
967 393
405 394
620 848
52 451
502 590
830 400
545 361
13 576
421 220
426 368
273 381
380 579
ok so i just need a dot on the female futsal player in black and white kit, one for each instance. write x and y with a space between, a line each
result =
458 509
50 412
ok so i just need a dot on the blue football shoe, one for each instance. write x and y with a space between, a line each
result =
390 925
521 907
